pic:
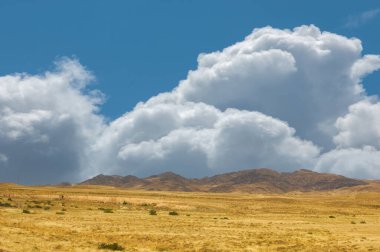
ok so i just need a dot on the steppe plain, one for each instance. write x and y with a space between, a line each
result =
88 217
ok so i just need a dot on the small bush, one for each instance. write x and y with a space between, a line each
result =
111 246
60 213
26 211
9 199
63 210
353 222
5 204
362 222
332 217
173 213
125 203
106 210
46 208
153 212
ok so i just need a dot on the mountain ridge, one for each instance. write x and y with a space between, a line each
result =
261 180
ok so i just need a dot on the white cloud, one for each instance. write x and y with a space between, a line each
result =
360 127
196 139
276 99
3 158
352 162
303 76
360 19
47 123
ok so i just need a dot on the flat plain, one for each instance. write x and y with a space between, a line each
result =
89 218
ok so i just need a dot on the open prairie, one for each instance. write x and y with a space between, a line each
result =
90 218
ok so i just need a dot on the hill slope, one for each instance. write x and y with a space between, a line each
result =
254 180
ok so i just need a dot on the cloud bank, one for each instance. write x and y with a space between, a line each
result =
284 99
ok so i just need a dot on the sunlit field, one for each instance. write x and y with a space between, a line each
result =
104 218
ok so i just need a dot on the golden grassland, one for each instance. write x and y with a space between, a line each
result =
88 216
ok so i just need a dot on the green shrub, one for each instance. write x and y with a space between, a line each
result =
173 213
152 212
111 246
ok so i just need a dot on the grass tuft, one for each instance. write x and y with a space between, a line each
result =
111 246
26 211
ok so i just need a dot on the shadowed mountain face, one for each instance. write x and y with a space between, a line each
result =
255 180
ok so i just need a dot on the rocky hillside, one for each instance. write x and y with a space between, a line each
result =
255 180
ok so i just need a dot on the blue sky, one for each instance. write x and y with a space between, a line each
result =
137 49
217 89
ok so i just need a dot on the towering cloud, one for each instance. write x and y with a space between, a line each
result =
303 76
47 123
283 99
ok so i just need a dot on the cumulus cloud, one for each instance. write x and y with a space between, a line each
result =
303 76
353 162
283 99
360 127
197 139
46 124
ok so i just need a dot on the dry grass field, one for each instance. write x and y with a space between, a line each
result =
35 219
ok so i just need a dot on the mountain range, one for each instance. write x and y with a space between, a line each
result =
254 180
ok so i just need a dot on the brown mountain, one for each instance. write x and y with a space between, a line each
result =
115 180
255 180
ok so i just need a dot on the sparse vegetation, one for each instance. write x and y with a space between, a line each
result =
215 222
152 212
26 211
111 246
173 213
106 210
332 217
5 204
